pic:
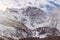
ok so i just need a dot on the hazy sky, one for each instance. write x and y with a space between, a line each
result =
22 3
6 3
14 3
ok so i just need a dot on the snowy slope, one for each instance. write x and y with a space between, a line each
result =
24 15
11 9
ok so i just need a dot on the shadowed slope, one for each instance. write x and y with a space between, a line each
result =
48 38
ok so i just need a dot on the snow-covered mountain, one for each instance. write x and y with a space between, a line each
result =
34 19
35 16
12 17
